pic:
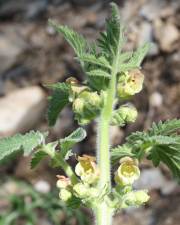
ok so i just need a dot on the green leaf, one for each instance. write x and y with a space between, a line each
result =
121 151
58 100
125 56
37 157
136 59
77 41
112 40
68 142
166 128
169 155
96 61
98 73
25 143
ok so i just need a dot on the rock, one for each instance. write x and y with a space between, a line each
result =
42 186
21 110
153 179
11 45
151 9
146 35
173 67
116 135
146 32
167 35
156 99
29 9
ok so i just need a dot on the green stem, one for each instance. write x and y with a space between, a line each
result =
68 170
103 212
63 164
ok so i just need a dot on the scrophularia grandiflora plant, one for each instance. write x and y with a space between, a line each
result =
113 77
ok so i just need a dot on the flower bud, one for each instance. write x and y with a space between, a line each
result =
87 169
87 106
81 190
65 195
130 83
127 172
141 197
125 114
135 198
75 88
63 182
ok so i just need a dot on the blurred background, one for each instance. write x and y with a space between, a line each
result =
32 54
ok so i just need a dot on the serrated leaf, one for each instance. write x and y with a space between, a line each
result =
125 56
98 73
136 59
112 40
67 143
57 101
77 41
98 61
37 157
160 143
169 155
166 128
121 151
26 143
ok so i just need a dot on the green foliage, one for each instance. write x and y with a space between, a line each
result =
95 60
68 142
135 60
99 73
112 39
26 143
120 152
57 101
77 41
37 157
54 209
160 144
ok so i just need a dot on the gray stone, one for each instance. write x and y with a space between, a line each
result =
153 179
167 35
21 110
11 45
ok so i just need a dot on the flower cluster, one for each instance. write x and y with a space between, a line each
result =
125 114
85 189
86 104
127 173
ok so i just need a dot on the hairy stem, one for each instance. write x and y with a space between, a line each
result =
63 164
103 212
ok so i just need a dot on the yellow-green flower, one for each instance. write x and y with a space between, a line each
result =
127 172
130 83
87 169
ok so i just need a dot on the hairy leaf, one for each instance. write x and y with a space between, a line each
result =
121 151
67 143
57 101
77 41
37 157
25 143
136 59
98 73
161 144
169 155
96 61
112 39
166 128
